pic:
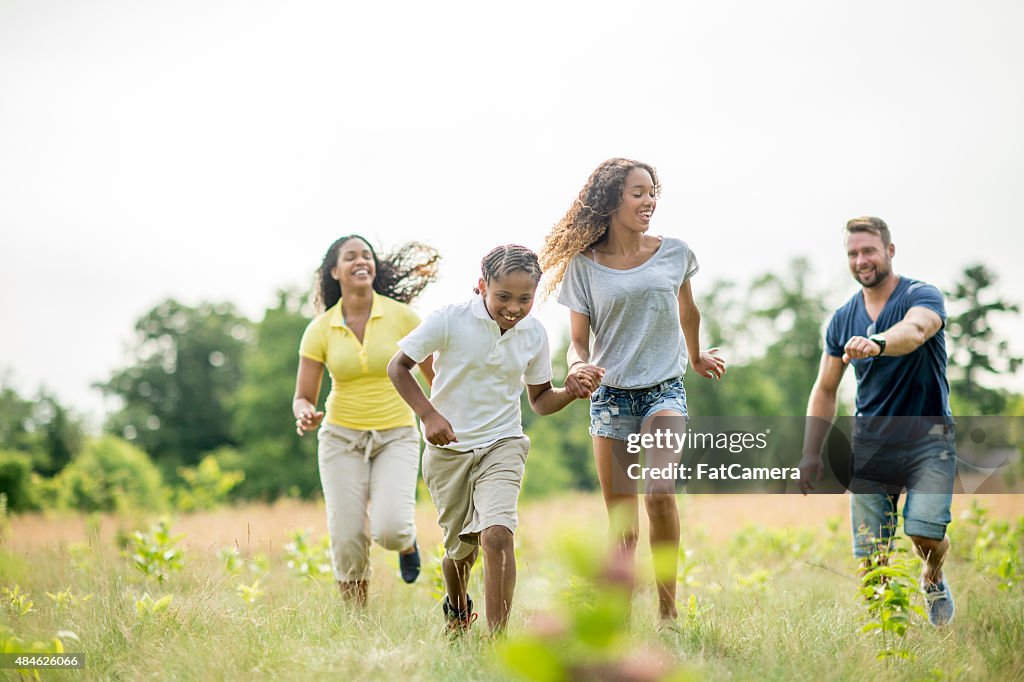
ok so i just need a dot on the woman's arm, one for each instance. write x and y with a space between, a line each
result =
307 390
707 363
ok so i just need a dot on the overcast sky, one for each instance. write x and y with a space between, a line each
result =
212 150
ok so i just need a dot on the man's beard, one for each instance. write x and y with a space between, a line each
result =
881 273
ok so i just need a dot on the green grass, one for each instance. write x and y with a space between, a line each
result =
775 604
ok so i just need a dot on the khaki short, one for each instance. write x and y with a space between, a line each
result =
475 489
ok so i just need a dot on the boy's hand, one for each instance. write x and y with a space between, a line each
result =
438 430
583 379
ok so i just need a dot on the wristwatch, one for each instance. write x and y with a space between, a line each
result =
880 340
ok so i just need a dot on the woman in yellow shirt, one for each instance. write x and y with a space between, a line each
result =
368 450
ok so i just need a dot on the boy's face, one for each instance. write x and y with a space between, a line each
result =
508 298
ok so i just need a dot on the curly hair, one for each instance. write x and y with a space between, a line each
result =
586 222
401 274
502 260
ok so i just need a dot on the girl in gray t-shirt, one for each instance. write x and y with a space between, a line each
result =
632 290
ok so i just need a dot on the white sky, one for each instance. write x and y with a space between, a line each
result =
213 150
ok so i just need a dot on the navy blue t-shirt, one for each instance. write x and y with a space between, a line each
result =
912 385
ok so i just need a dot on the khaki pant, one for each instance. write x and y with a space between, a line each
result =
475 489
369 484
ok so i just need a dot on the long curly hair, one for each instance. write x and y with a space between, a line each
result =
401 274
586 222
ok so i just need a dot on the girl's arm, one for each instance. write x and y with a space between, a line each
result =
706 363
546 399
437 429
307 390
583 378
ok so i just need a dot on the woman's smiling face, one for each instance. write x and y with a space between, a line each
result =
355 267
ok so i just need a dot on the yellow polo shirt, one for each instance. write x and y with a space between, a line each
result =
362 396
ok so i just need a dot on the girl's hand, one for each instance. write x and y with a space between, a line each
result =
583 379
308 420
709 365
438 430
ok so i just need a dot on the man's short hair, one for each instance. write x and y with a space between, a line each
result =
872 225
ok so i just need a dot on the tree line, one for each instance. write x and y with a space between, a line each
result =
204 399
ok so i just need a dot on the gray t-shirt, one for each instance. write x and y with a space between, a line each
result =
634 314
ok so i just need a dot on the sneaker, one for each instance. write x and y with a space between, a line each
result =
458 621
409 564
940 603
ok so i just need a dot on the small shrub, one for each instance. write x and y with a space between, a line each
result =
250 594
111 475
147 607
16 602
65 600
16 481
206 486
155 553
889 589
307 559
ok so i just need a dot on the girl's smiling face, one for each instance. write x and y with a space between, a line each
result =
509 298
639 199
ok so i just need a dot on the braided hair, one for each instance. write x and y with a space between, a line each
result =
586 222
401 274
502 260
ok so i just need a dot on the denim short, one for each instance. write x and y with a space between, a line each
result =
926 468
618 412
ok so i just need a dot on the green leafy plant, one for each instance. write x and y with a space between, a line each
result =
66 600
147 607
250 594
307 559
889 589
16 602
155 553
587 637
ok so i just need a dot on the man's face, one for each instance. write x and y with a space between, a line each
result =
870 260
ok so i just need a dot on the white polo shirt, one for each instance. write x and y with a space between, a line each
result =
480 372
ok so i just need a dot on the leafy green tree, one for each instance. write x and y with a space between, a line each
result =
274 459
177 394
42 429
977 352
771 336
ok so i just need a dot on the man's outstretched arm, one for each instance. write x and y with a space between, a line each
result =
821 406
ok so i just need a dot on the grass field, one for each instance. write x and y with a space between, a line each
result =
775 596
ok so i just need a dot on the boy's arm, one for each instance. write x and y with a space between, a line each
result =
437 429
546 399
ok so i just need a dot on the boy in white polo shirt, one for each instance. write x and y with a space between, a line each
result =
484 350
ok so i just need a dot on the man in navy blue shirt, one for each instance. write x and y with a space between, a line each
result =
891 331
